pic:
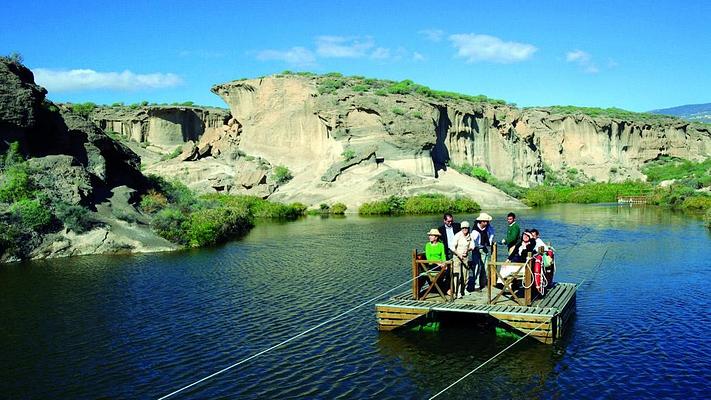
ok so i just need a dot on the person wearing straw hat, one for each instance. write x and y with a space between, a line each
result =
434 249
461 245
483 238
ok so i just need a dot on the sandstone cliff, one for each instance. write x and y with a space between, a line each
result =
355 139
309 122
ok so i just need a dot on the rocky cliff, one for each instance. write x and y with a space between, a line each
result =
309 122
71 165
354 140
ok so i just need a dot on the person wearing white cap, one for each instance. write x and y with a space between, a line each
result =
483 234
461 245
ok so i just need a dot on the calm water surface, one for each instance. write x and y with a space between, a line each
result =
143 326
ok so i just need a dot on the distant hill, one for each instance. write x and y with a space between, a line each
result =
691 112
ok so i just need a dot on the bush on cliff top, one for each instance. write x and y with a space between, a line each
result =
611 112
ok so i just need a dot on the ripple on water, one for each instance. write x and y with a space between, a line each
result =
143 326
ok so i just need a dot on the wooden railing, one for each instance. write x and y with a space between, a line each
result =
523 273
432 270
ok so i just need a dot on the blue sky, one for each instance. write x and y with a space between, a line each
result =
637 55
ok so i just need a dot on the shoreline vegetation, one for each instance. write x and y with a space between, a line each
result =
179 215
671 182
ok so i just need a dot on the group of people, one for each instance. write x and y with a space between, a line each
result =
520 245
469 248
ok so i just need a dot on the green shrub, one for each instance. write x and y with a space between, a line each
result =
82 109
257 206
32 214
176 152
417 114
481 173
13 156
153 201
667 168
338 208
439 204
15 184
381 92
211 226
613 112
168 223
588 193
374 208
707 218
398 111
420 204
175 191
697 203
330 85
348 154
324 208
282 174
74 217
465 205
13 57
389 206
360 88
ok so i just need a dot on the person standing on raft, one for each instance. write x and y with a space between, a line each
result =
485 233
460 245
513 232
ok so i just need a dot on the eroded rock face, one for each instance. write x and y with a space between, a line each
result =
339 146
605 148
286 116
160 125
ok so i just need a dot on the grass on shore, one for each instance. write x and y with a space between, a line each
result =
182 217
419 204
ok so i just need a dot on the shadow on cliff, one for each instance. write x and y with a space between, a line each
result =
440 153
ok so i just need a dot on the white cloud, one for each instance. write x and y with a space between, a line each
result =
88 79
380 53
417 57
298 56
475 47
433 35
342 47
583 60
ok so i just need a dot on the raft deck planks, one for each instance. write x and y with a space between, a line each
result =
545 319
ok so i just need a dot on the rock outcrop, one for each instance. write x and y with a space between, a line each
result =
72 163
160 125
340 146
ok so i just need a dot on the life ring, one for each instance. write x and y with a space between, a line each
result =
537 269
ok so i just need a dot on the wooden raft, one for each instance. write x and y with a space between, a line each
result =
552 313
545 318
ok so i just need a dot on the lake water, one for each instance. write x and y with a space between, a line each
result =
142 326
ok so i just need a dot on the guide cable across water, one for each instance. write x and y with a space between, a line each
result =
288 340
519 339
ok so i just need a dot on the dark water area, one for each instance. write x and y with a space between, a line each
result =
143 326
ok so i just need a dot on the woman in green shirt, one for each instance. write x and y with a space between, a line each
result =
434 249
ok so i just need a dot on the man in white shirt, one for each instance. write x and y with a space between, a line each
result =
539 241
